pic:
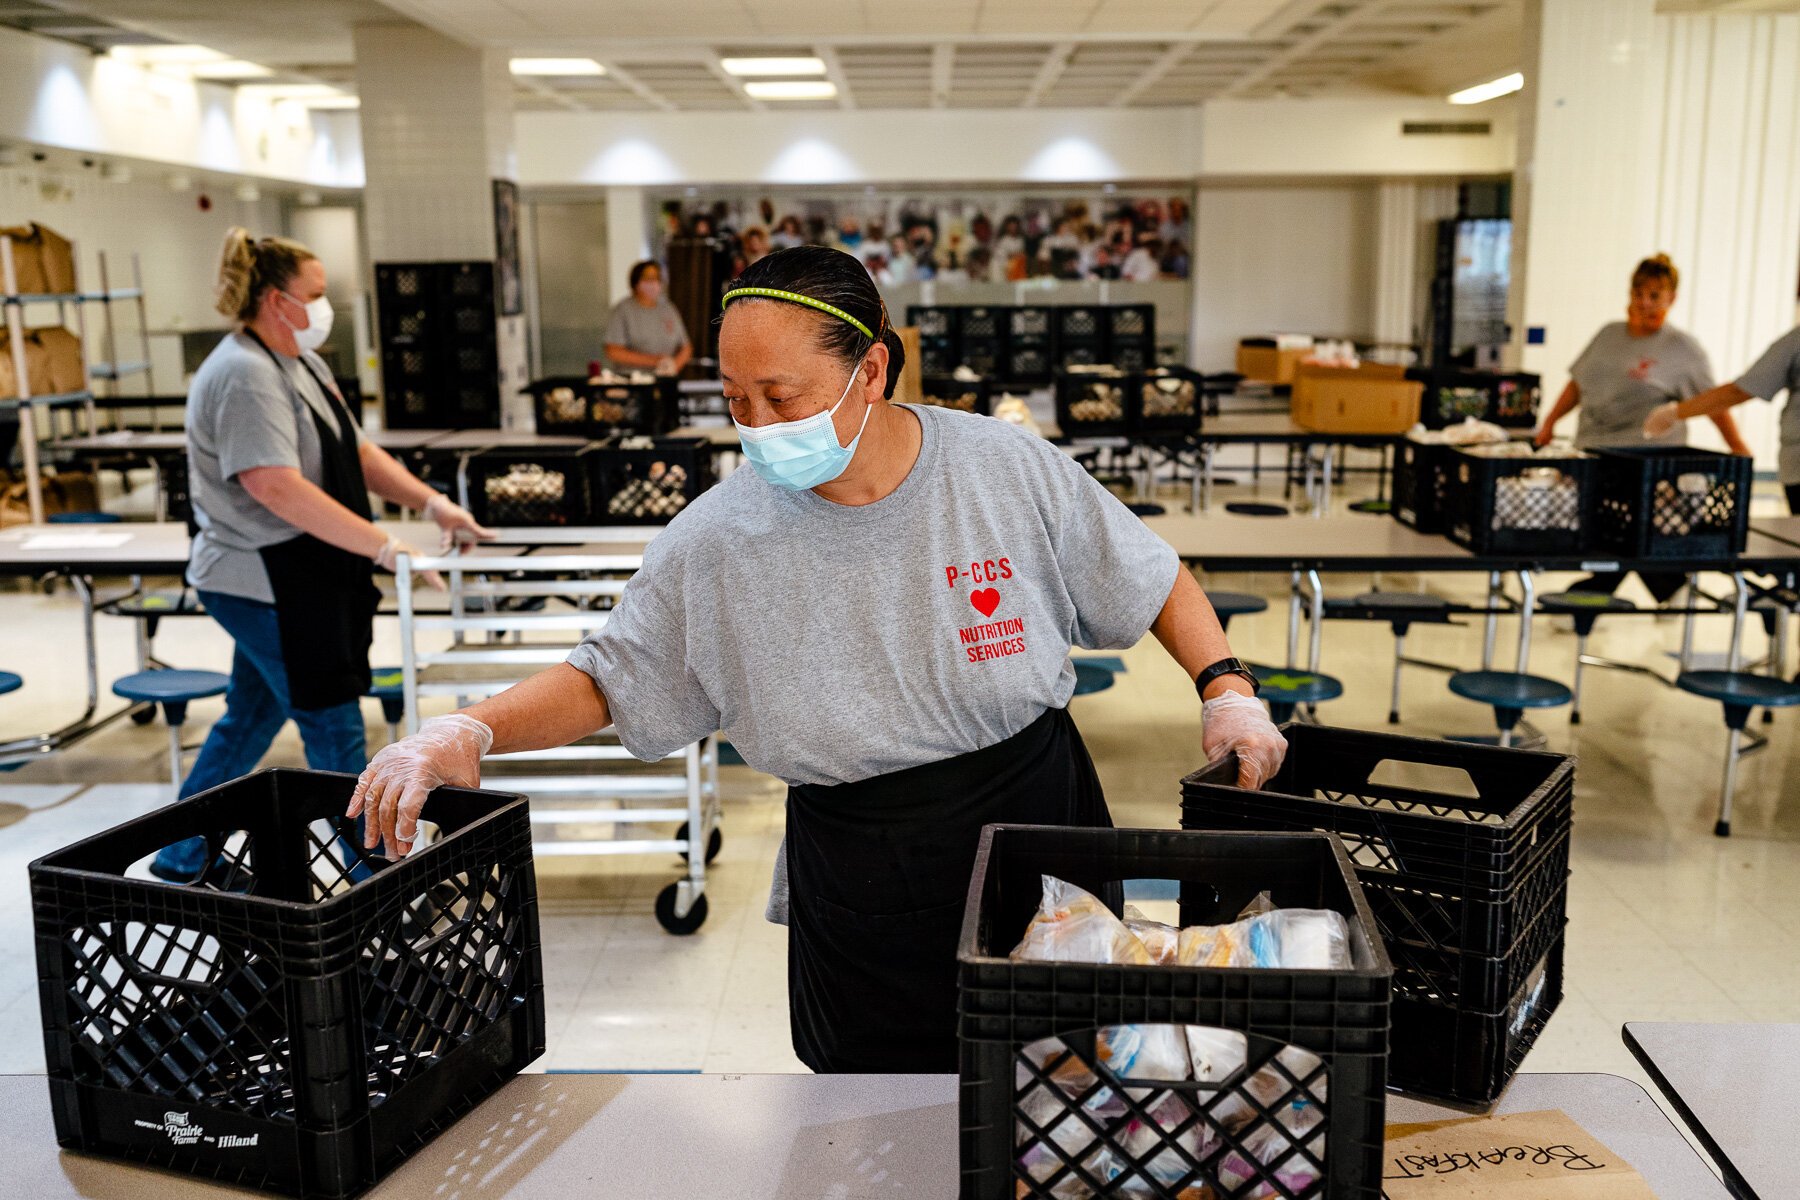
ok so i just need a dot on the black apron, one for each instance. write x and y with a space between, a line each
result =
878 874
325 598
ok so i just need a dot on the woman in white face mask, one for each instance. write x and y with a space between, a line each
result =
284 542
645 331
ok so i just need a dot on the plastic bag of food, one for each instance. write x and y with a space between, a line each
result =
1074 926
1065 1130
1148 1143
1301 939
1158 939
1266 1151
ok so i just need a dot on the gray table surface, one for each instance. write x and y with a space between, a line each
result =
510 439
1277 427
161 547
751 1137
720 437
1737 1087
1277 541
1782 529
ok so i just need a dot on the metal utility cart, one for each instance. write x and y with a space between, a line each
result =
517 606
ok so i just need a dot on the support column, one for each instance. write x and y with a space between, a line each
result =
437 131
1396 259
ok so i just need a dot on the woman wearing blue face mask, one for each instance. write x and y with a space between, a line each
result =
284 545
879 613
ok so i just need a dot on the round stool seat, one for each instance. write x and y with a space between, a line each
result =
1410 601
1509 689
171 687
10 682
1251 508
1585 602
1296 685
1740 688
1236 604
1090 678
82 518
1146 510
159 604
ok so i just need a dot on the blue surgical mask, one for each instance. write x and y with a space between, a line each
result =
801 455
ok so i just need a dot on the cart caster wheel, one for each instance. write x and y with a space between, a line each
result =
1722 829
143 716
665 912
713 843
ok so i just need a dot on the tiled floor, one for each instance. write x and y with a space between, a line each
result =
1666 921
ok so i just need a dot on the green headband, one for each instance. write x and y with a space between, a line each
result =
797 298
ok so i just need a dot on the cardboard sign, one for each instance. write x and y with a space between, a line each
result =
1520 1156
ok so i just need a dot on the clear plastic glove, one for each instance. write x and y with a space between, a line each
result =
1662 419
453 519
388 559
665 365
1236 722
392 788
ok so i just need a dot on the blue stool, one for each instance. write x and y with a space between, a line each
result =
10 682
82 518
1286 688
1400 610
173 690
388 685
1739 692
1585 608
1509 693
1235 604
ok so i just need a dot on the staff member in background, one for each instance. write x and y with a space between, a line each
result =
879 613
286 546
1777 369
1630 369
645 332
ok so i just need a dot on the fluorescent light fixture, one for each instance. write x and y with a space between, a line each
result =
166 55
773 66
290 91
333 103
1493 89
229 68
791 89
564 67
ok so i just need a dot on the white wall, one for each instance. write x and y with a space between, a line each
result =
59 95
1353 136
1280 258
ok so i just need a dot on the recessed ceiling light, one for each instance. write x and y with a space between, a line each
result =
158 54
791 89
291 91
1491 90
333 103
556 66
773 66
229 68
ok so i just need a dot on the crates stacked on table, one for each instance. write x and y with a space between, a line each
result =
536 486
602 407
281 1025
1042 1113
1500 399
939 353
1028 345
965 395
981 339
1131 336
440 360
1092 404
1497 502
647 481
1420 481
1168 402
1080 335
1470 890
1671 502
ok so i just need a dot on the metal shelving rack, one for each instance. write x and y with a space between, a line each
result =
113 372
499 634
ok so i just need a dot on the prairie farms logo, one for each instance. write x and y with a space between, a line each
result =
180 1129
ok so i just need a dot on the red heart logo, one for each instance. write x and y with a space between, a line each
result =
986 600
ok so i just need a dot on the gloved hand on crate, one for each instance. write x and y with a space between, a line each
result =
388 559
446 752
1234 723
455 522
1662 418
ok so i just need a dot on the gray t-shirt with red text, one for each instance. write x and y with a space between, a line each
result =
833 643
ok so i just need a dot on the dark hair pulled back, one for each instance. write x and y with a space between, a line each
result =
837 279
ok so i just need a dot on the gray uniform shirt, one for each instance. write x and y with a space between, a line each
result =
834 643
1778 368
241 414
657 330
1623 377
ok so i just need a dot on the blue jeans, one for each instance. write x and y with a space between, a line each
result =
256 707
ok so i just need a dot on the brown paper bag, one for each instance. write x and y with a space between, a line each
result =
1520 1156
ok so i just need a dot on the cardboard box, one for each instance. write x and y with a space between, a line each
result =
43 261
53 364
1266 364
1372 398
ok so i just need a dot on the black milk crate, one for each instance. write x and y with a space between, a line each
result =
1316 1040
1028 364
579 407
981 322
1092 404
938 355
535 486
1469 1057
983 355
1419 483
933 320
1534 505
1081 323
1131 323
1509 400
964 395
645 481
1168 402
279 1026
1081 354
1030 323
1672 502
1133 356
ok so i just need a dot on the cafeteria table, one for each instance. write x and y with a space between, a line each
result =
1278 429
1735 1087
752 1137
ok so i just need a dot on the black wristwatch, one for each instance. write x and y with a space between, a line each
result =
1226 666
